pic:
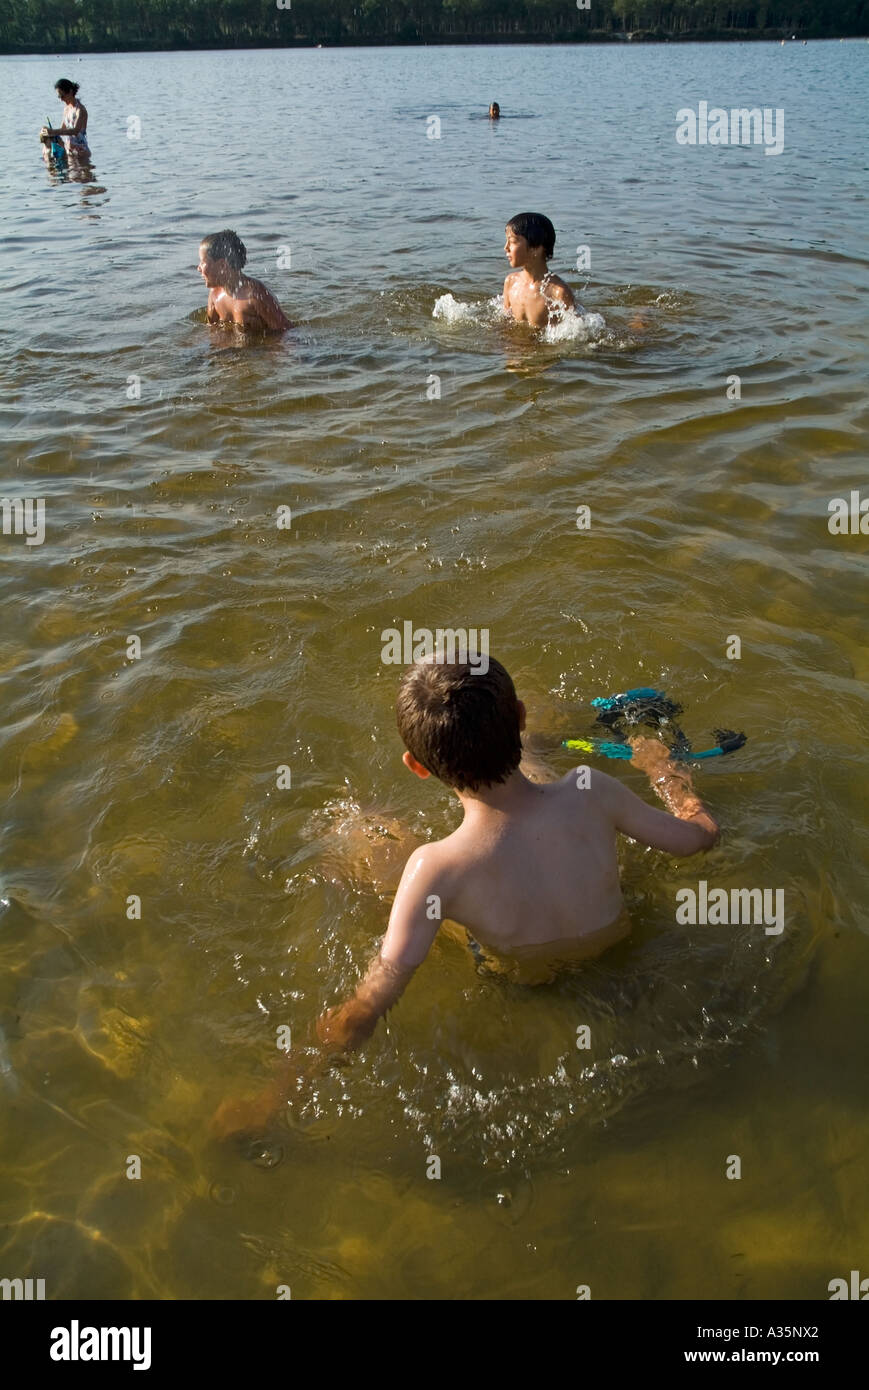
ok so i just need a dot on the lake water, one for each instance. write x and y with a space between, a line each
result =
433 467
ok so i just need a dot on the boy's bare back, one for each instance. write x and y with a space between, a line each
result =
251 305
539 869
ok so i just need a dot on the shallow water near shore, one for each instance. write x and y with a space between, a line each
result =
433 466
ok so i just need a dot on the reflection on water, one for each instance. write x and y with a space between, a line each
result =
164 907
69 166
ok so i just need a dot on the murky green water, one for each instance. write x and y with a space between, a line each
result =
156 777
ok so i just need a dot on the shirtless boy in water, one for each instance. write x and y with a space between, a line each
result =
533 864
531 293
232 296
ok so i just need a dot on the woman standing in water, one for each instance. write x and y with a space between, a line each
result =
73 127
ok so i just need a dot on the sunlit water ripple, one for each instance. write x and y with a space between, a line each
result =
261 647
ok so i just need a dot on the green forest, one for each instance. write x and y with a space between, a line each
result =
93 25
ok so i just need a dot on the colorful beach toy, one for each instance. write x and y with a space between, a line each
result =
644 705
56 147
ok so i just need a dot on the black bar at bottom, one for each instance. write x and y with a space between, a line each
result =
227 1339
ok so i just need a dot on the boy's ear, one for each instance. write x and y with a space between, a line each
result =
411 763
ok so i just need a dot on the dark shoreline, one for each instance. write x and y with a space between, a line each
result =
583 39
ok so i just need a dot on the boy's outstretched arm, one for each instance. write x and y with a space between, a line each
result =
687 829
413 924
408 938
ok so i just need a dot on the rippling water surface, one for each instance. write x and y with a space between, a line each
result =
448 503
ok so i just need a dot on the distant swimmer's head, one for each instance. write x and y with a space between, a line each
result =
495 111
528 235
222 255
65 89
460 723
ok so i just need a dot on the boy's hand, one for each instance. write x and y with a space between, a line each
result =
328 1027
237 1117
650 755
251 1116
672 784
346 1026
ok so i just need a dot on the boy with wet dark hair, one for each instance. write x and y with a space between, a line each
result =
532 871
536 229
463 730
234 297
532 294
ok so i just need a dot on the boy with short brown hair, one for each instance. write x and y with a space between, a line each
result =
533 866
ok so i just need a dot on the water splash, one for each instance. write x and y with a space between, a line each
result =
567 326
574 326
452 310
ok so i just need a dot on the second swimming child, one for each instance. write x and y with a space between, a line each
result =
234 297
532 294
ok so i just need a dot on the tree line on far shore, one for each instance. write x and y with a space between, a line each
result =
82 25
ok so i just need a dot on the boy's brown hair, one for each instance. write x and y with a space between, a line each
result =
226 246
461 724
